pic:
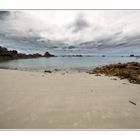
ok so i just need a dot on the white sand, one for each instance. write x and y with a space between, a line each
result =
72 100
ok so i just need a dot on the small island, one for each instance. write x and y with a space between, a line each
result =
132 55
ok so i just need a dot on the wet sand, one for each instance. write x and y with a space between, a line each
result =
62 100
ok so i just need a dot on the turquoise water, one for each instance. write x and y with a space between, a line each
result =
64 63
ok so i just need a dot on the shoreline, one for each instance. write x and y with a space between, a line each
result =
34 100
54 70
129 70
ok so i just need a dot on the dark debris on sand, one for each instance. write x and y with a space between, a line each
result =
47 71
130 71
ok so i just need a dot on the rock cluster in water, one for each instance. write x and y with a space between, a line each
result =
13 54
130 71
132 55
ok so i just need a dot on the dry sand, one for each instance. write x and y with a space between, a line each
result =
71 100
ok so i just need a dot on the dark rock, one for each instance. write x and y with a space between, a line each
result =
37 55
78 55
47 71
47 54
14 52
98 75
113 78
131 55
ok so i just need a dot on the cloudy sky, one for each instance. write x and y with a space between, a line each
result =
73 26
70 25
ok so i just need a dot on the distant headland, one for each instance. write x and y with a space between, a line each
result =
6 54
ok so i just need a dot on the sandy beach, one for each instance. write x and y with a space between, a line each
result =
61 100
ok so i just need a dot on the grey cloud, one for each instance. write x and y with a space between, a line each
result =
117 31
79 24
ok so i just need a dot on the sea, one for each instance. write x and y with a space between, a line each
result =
92 55
66 63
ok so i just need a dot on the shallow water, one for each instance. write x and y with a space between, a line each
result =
64 63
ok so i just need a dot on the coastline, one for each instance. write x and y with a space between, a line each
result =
73 100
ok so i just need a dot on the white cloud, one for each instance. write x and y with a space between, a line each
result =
72 25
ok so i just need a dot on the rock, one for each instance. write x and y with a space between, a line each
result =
37 55
47 54
78 55
56 69
130 71
103 55
47 71
113 78
14 52
131 55
98 75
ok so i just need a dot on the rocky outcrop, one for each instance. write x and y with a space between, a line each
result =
47 54
130 71
13 54
132 55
